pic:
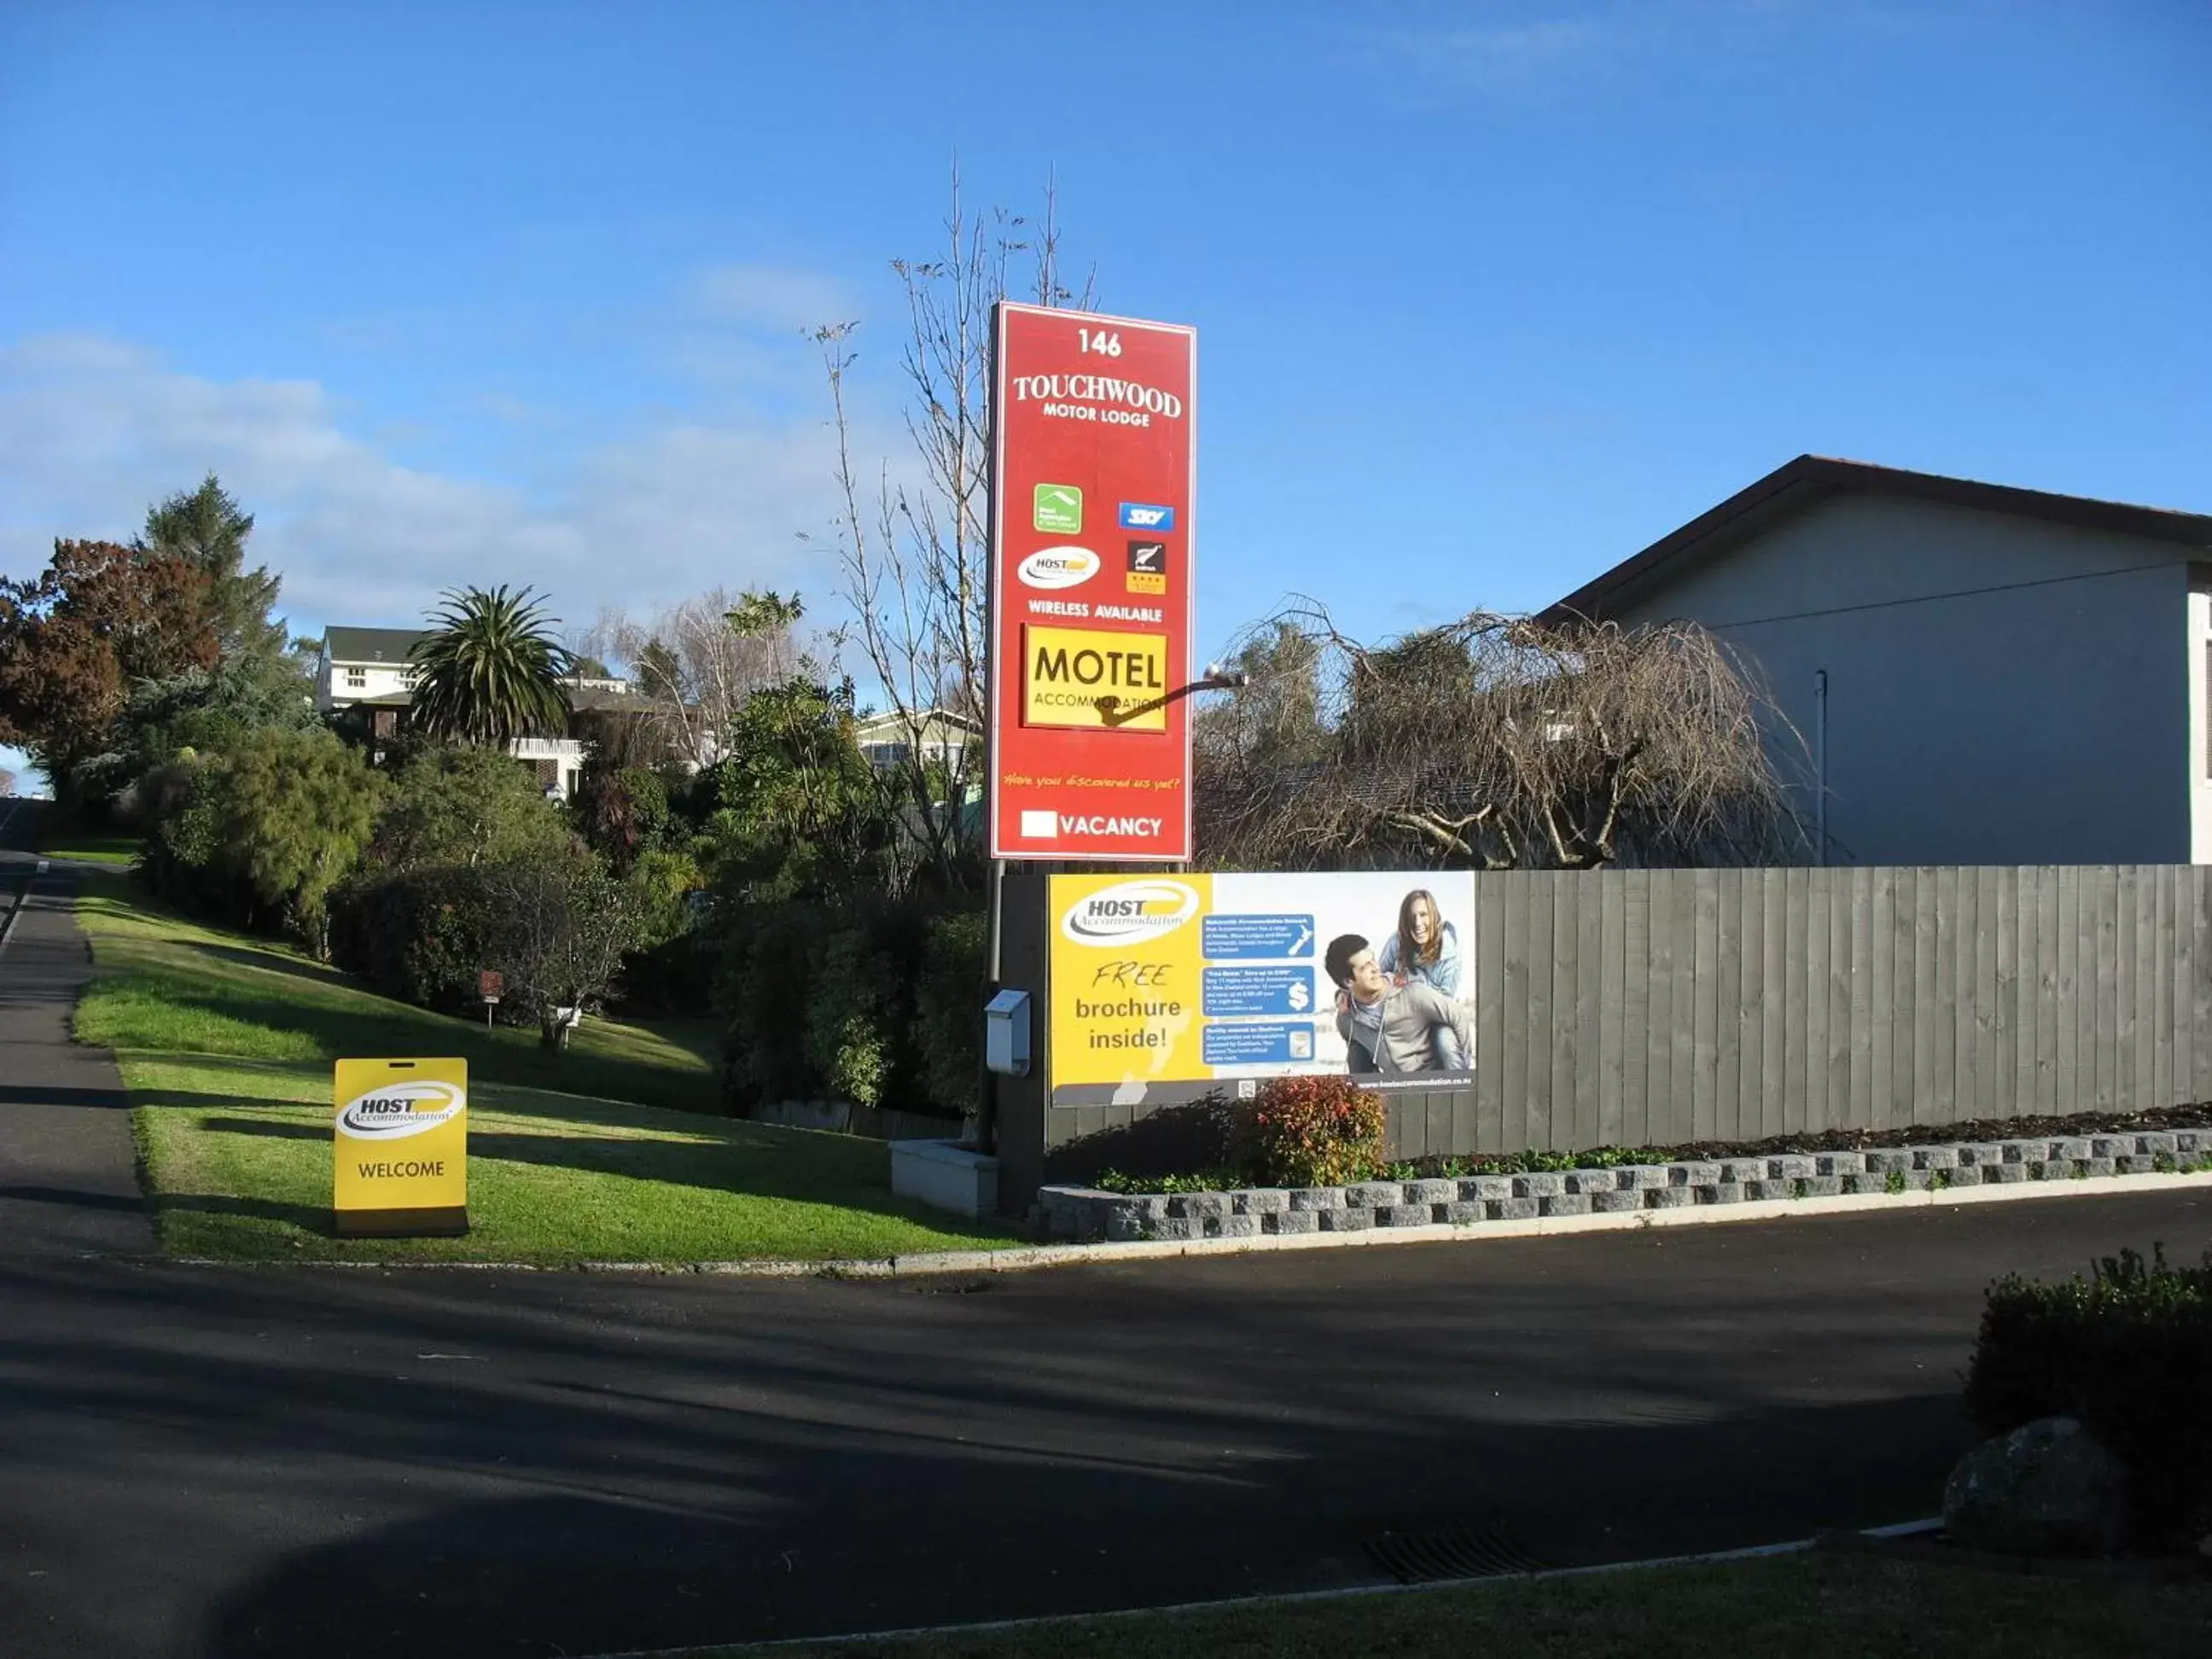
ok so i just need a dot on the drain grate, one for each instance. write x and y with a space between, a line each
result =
1441 1552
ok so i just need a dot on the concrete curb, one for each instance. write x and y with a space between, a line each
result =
31 872
1023 1258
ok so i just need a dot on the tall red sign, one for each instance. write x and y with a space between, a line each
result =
1096 426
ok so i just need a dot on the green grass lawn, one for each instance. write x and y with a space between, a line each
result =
1811 1606
170 984
226 1043
87 846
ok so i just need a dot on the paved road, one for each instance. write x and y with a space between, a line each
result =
241 1462
335 1463
66 1179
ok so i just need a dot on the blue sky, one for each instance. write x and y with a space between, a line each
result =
1490 296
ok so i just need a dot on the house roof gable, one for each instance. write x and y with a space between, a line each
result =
1798 484
369 645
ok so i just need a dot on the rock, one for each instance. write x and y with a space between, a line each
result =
2047 1488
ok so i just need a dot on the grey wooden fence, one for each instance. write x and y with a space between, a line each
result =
1633 1007
1655 1007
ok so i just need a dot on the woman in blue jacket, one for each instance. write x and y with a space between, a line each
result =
1426 947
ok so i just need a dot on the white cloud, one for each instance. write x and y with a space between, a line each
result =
1522 51
776 298
93 429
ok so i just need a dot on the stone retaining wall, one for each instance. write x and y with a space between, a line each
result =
1085 1213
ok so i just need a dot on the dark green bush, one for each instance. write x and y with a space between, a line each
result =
763 996
948 1000
861 1002
2129 1353
420 935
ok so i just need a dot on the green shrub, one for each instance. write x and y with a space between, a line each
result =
848 1015
1308 1132
420 934
2129 1353
948 999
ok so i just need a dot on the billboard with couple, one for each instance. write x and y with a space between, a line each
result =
1193 980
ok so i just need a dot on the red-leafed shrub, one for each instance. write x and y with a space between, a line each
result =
1308 1132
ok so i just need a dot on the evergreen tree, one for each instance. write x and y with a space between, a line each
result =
207 530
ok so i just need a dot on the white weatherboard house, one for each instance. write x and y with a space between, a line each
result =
1981 674
366 669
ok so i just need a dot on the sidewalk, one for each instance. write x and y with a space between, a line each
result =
67 1182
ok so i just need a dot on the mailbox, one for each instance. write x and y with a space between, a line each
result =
1006 1033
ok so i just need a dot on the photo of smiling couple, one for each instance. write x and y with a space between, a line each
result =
1399 1005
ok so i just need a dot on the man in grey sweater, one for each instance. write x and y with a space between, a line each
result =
1388 1027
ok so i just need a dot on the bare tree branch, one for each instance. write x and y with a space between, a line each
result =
1487 743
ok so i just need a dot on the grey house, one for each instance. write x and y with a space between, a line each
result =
1980 674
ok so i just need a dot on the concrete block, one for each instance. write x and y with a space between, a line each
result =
1667 1197
2001 1175
1979 1154
1178 1227
1719 1192
1405 1215
1198 1206
1818 1186
1511 1209
1345 1220
1539 1184
2069 1147
2024 1152
1618 1200
2191 1143
1234 1226
1881 1160
1764 1190
1692 1174
2111 1146
1373 1194
1935 1157
1317 1199
1479 1190
1592 1181
1462 1212
1839 1164
1738 1170
2134 1163
1430 1192
1125 1224
2158 1142
945 1175
1792 1166
1292 1221
1260 1200
1867 1182
1638 1177
1564 1203
2094 1166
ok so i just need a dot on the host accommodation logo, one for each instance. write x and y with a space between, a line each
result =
1130 910
396 1110
1058 567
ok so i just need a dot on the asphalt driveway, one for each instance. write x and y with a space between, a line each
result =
335 1462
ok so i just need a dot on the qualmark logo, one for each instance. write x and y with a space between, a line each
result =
394 1111
1058 567
1130 910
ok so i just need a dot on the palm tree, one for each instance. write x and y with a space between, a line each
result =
489 670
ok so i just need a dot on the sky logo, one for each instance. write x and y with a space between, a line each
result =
1137 515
